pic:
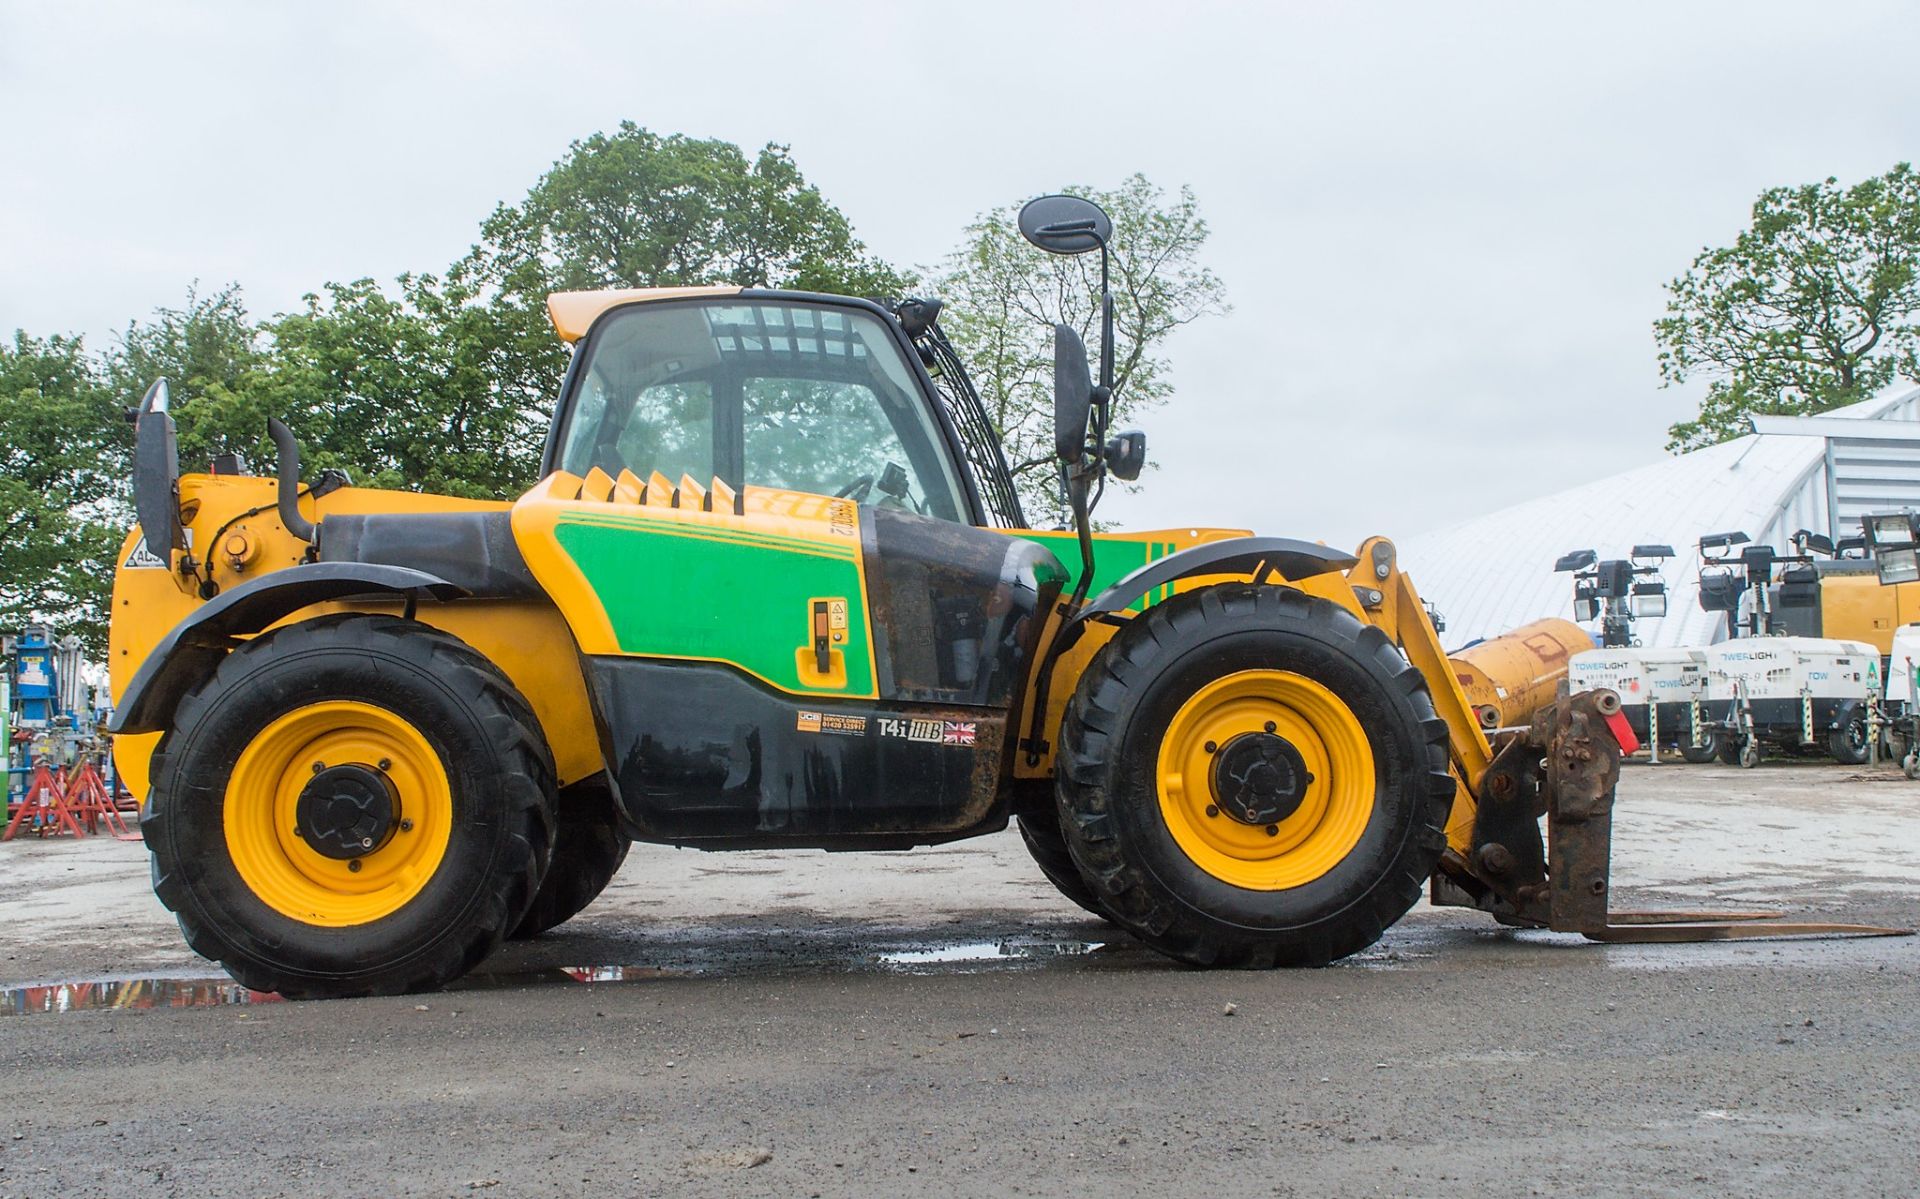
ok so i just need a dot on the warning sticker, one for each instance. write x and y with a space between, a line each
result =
142 558
831 722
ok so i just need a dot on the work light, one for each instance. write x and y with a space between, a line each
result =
1890 528
1898 565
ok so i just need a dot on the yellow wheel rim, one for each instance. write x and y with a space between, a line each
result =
1333 808
263 793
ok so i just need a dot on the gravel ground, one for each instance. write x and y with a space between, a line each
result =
941 1023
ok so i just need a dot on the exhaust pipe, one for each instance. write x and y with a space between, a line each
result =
288 469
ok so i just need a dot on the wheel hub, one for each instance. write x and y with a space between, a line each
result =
1259 778
346 812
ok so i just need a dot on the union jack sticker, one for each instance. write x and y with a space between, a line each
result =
960 732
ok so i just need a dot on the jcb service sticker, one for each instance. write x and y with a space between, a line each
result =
834 723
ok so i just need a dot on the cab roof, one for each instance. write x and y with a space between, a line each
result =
573 312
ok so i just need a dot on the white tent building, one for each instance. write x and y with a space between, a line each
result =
1495 572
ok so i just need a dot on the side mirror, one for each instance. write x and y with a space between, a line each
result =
1065 224
1072 394
156 474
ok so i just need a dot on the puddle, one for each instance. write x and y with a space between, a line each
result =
168 991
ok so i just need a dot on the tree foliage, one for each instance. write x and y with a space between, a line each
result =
1003 298
1812 307
638 209
61 487
445 381
440 382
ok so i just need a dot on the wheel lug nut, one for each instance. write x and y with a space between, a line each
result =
1271 726
1273 830
366 843
1212 810
354 866
319 766
1211 747
384 765
406 826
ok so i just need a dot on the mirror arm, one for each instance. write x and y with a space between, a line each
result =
1106 325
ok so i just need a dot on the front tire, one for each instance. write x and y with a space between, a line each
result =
352 805
1250 777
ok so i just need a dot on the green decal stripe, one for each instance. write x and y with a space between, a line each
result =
843 548
1113 559
731 600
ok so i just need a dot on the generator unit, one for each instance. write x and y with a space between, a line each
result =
1660 694
1792 693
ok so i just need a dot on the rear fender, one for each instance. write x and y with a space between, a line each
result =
196 645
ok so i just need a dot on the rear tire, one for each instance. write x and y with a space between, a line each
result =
1247 678
469 787
1730 749
588 850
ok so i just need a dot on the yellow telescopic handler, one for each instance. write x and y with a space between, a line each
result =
775 589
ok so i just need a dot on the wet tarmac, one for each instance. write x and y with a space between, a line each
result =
941 1023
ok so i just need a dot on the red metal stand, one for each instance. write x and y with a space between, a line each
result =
46 802
78 804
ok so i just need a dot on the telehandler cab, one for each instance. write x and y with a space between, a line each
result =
775 589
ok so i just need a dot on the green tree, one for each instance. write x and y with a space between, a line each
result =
638 209
1812 307
1003 297
211 353
62 514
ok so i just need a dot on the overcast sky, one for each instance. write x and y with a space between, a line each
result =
1444 228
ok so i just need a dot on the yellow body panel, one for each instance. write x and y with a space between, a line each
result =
573 312
528 641
1861 608
537 646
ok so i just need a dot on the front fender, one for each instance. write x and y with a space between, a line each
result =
1286 557
195 646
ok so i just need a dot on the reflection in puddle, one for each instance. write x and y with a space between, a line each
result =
127 994
124 994
990 951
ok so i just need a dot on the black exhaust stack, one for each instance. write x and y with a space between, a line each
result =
288 469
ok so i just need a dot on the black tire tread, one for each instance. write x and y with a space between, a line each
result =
588 850
527 780
1122 668
1040 831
